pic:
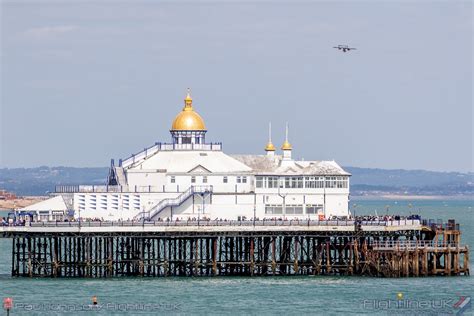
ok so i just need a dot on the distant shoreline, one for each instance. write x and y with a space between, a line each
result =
20 202
28 200
413 197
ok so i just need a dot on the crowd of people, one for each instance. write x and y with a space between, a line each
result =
375 218
386 218
244 219
8 221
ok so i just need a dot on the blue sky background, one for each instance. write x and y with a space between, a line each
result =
86 81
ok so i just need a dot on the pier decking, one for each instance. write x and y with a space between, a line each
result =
214 226
220 248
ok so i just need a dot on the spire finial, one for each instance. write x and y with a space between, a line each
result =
188 101
286 144
270 147
270 132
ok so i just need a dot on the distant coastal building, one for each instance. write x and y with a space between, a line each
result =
192 178
5 195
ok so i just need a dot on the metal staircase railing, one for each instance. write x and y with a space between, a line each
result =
120 176
177 201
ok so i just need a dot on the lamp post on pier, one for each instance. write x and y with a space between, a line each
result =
283 196
254 213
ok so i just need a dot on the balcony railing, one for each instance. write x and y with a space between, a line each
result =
204 222
168 147
412 244
167 188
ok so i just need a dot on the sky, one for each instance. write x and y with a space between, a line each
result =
86 81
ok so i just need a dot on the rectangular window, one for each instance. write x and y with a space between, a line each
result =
300 183
259 182
173 179
314 209
244 179
204 179
276 182
320 182
278 209
281 182
314 182
224 179
293 182
297 182
309 182
294 209
272 182
331 182
239 179
193 179
273 209
341 182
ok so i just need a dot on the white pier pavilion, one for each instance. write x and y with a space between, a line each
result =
192 178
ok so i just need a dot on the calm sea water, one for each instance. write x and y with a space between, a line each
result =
255 296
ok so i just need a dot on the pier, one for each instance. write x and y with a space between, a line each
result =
404 248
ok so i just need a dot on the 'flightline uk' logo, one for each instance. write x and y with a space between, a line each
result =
463 304
404 305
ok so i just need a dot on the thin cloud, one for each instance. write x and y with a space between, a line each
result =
46 32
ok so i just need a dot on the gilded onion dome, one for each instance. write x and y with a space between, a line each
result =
270 147
188 119
286 146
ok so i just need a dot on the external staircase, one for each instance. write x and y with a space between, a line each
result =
121 177
173 202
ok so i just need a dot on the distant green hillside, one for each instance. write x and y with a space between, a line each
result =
367 181
412 178
40 180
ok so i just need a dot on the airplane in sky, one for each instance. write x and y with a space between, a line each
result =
344 48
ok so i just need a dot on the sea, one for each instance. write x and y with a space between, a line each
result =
301 295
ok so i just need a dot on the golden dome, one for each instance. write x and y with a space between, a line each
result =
270 147
286 146
188 119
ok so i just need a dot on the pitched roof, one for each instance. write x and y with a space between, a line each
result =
262 164
186 161
53 204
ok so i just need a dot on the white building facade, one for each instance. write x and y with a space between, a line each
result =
190 178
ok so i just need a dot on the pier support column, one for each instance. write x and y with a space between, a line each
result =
295 263
434 260
273 256
214 256
328 258
465 265
251 256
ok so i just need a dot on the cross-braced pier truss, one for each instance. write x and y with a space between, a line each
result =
249 251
